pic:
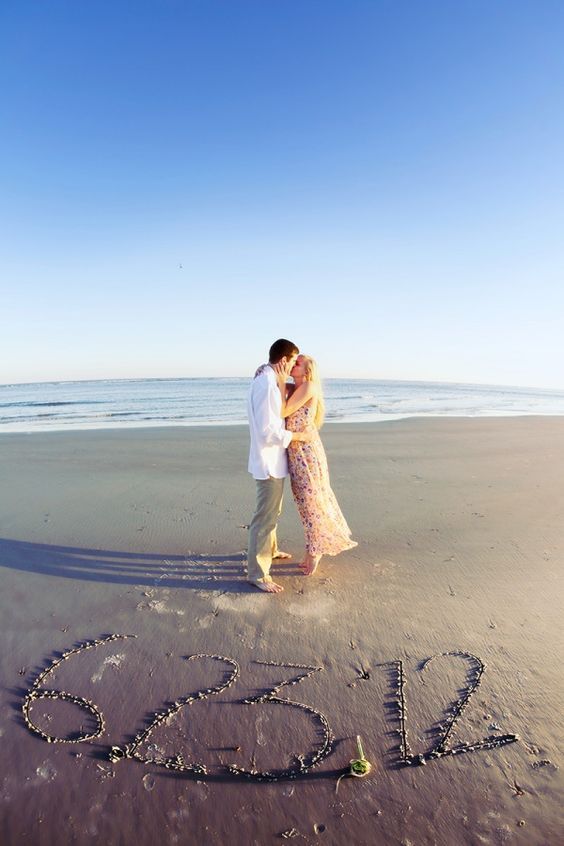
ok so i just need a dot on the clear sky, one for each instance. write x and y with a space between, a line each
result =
184 181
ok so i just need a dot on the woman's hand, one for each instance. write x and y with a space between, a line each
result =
281 370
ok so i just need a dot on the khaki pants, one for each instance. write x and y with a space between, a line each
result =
262 531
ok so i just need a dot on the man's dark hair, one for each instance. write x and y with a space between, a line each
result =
281 348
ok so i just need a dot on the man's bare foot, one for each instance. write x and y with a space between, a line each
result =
279 555
309 564
268 587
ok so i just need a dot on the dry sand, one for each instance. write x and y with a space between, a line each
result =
460 529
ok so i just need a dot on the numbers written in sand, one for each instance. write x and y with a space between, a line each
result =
444 745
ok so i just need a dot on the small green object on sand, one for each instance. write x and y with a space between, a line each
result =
359 767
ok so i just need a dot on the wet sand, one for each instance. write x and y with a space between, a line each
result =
461 538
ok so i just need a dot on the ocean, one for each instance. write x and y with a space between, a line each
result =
121 403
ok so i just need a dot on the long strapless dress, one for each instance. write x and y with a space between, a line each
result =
326 530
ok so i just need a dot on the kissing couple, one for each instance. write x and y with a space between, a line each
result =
284 421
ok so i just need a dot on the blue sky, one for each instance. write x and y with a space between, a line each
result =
184 181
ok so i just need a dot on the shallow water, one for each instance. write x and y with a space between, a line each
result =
127 403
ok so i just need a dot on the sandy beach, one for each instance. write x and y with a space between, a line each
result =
143 532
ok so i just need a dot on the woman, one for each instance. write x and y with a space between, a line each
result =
325 528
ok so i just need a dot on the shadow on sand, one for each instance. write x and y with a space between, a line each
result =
196 572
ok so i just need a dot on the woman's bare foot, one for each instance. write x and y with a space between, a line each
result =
279 555
309 564
268 587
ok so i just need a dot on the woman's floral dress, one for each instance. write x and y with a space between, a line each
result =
326 530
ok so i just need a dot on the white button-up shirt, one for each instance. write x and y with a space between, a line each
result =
269 438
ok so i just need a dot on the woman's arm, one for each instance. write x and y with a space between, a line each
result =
299 397
292 397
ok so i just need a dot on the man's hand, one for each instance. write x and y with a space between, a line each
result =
302 437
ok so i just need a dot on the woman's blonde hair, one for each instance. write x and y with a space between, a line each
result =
312 375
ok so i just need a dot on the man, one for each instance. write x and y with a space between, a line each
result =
267 461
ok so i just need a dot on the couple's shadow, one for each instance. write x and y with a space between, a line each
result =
194 572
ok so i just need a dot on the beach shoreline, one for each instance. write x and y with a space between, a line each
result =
143 531
107 404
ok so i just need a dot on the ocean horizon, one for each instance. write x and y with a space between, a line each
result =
203 401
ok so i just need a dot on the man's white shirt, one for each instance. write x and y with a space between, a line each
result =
269 438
